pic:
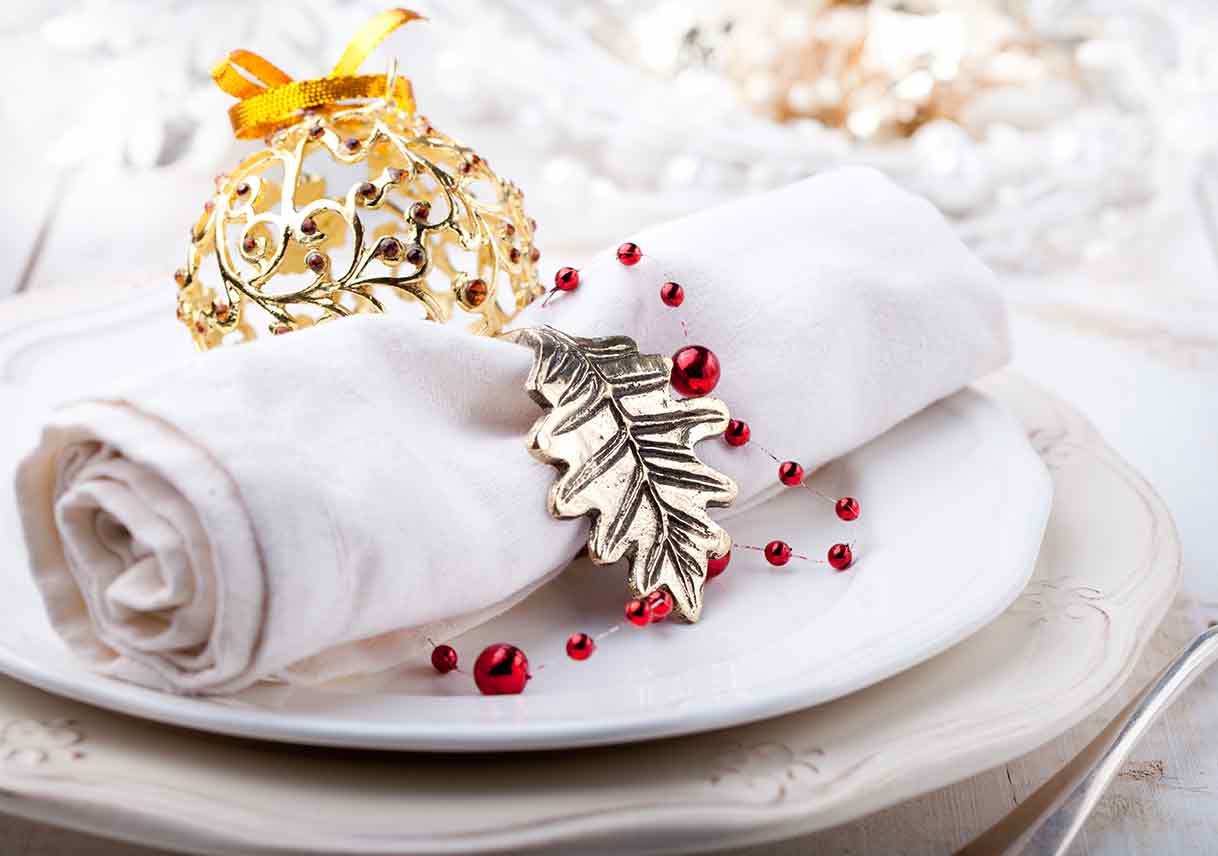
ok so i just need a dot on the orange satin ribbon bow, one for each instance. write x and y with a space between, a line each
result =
270 99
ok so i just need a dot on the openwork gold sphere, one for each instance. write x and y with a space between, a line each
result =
347 210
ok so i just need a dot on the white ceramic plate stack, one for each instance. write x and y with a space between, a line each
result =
1011 570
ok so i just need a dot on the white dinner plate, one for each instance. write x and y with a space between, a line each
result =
1106 574
954 500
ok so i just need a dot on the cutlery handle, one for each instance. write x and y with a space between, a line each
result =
1048 820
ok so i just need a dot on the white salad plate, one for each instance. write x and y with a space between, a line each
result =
955 501
1105 577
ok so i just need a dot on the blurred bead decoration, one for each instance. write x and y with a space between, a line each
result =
877 70
1025 140
619 115
639 107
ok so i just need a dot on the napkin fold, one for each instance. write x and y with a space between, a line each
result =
317 505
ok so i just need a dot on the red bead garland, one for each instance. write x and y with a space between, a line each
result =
737 432
638 612
567 279
790 473
580 646
501 670
444 659
629 254
847 508
695 371
840 556
718 564
778 553
504 669
672 294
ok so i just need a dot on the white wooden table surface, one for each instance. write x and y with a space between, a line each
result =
1131 341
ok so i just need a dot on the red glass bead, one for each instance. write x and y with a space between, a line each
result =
249 244
718 564
580 646
661 604
778 553
243 188
695 371
514 255
220 309
308 226
847 508
638 612
316 131
629 254
351 144
367 189
737 432
790 473
280 328
209 207
444 659
179 277
672 294
420 211
534 255
840 557
501 670
567 279
396 174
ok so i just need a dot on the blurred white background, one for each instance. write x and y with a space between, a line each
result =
1051 131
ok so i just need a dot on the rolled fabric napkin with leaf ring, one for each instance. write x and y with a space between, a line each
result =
317 505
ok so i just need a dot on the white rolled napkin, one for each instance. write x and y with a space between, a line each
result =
316 505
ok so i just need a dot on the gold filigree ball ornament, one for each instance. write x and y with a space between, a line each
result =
355 201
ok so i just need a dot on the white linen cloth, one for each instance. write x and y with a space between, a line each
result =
316 505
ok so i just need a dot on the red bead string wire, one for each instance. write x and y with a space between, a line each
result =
804 484
852 545
794 555
657 606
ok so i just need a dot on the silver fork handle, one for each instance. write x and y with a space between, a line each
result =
1049 819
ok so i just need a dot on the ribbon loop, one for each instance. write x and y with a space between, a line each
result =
228 74
270 99
369 36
